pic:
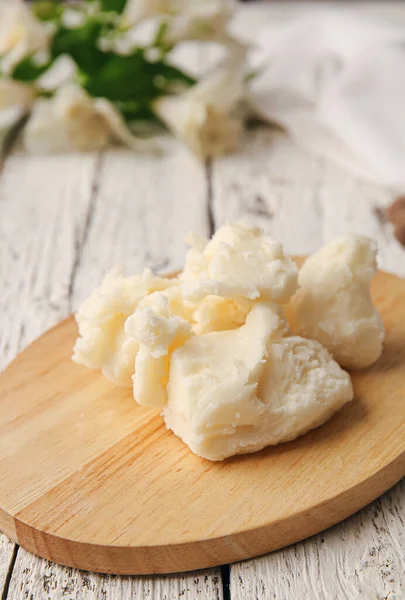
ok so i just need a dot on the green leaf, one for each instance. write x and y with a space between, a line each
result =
81 44
133 78
122 78
174 75
160 35
47 10
28 70
136 111
113 5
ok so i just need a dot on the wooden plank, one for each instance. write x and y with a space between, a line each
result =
42 207
7 553
272 184
7 548
351 205
145 208
39 579
302 201
75 226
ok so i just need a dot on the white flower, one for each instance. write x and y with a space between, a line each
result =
200 20
21 34
73 120
62 71
15 100
138 10
204 117
184 19
72 19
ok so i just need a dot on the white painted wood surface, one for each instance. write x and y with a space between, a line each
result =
65 220
38 579
298 199
7 549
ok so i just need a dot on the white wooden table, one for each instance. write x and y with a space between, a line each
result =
65 219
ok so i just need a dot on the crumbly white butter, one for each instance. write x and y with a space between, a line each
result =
103 343
238 391
214 313
213 349
333 304
207 306
242 259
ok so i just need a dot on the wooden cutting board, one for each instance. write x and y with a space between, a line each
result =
90 479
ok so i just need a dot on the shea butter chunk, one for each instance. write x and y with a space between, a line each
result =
103 343
238 391
212 390
241 261
333 304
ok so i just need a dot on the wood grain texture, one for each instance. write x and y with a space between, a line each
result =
44 208
278 187
361 557
143 210
51 258
118 493
39 236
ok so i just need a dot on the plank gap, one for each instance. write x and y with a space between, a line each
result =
226 576
7 581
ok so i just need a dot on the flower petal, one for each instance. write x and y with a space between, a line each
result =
119 129
21 34
205 117
65 123
44 133
62 71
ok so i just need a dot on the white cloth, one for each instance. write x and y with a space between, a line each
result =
336 82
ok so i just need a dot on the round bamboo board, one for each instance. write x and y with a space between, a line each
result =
90 479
